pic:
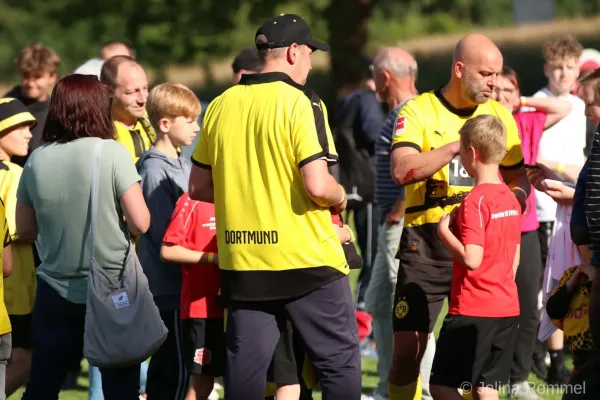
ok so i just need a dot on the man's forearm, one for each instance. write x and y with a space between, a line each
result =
413 168
329 194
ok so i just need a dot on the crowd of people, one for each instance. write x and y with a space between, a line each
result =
470 193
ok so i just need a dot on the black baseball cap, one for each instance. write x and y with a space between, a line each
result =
247 59
284 30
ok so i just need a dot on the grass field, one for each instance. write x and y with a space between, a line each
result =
369 375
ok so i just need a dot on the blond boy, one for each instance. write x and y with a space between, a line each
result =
483 235
173 111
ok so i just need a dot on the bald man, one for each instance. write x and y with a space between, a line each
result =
425 159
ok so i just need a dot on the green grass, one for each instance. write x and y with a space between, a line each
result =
369 372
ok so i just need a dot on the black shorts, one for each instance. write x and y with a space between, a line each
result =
419 297
286 365
21 331
204 346
474 352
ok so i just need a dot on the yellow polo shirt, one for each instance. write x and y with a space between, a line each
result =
274 241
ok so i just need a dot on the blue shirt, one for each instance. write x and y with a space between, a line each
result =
386 190
578 219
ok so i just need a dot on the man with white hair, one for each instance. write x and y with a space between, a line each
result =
395 74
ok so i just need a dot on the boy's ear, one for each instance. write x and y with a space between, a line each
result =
473 153
164 125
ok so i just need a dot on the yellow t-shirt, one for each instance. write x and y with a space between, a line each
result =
274 242
136 140
425 123
5 326
19 287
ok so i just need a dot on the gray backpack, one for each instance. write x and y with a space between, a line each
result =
123 326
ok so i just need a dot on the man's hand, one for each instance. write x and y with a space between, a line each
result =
559 192
536 175
396 213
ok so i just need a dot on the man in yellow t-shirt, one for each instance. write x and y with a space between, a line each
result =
5 327
425 159
263 158
126 80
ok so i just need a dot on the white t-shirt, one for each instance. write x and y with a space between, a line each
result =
563 142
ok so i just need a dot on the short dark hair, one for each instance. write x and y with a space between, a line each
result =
110 69
128 45
80 107
248 59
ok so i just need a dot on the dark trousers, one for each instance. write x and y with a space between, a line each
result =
168 378
325 321
528 286
366 224
57 339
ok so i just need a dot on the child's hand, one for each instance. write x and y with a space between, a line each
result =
444 222
447 219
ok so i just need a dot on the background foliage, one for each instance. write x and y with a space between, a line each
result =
200 32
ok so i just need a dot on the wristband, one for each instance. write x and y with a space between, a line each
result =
523 101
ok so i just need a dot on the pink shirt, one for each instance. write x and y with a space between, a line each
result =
531 127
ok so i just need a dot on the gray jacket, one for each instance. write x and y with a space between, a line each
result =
164 180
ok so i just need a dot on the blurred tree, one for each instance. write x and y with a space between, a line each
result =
348 22
167 32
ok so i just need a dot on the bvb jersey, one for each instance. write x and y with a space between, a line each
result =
137 140
425 123
274 241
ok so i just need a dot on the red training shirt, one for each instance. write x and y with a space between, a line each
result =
192 226
490 216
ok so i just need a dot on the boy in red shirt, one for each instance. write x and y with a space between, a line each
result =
191 240
483 235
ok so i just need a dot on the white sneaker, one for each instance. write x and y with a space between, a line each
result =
522 391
